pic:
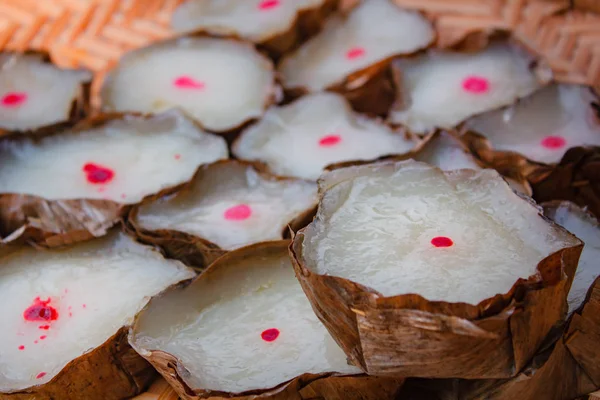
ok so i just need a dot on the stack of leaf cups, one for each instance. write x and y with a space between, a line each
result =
314 207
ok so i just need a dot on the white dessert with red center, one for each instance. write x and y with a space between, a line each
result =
255 20
58 305
243 325
374 31
120 160
586 228
543 126
34 93
231 205
221 83
302 138
442 89
407 227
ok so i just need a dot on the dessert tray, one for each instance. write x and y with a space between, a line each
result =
308 199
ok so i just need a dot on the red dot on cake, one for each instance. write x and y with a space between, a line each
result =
268 4
21 347
97 174
554 142
442 241
355 52
330 140
13 99
40 375
270 335
187 82
238 213
476 84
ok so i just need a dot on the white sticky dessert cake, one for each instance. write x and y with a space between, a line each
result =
60 304
123 160
374 31
34 93
221 83
302 138
245 325
408 227
232 205
442 89
544 125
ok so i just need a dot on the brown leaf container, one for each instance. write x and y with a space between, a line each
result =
55 223
576 178
195 251
307 386
564 371
408 335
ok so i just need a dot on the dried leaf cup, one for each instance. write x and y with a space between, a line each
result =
73 185
534 134
244 330
424 318
223 83
302 138
227 205
66 314
566 370
353 52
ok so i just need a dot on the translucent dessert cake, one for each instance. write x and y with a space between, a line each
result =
441 89
221 83
58 305
122 160
374 31
244 325
35 93
407 227
544 125
231 204
302 138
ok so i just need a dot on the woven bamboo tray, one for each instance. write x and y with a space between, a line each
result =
93 34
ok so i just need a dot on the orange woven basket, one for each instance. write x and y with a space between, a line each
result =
94 33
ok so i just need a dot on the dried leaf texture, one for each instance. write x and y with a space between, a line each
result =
330 386
506 163
306 24
54 223
565 371
576 178
408 335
